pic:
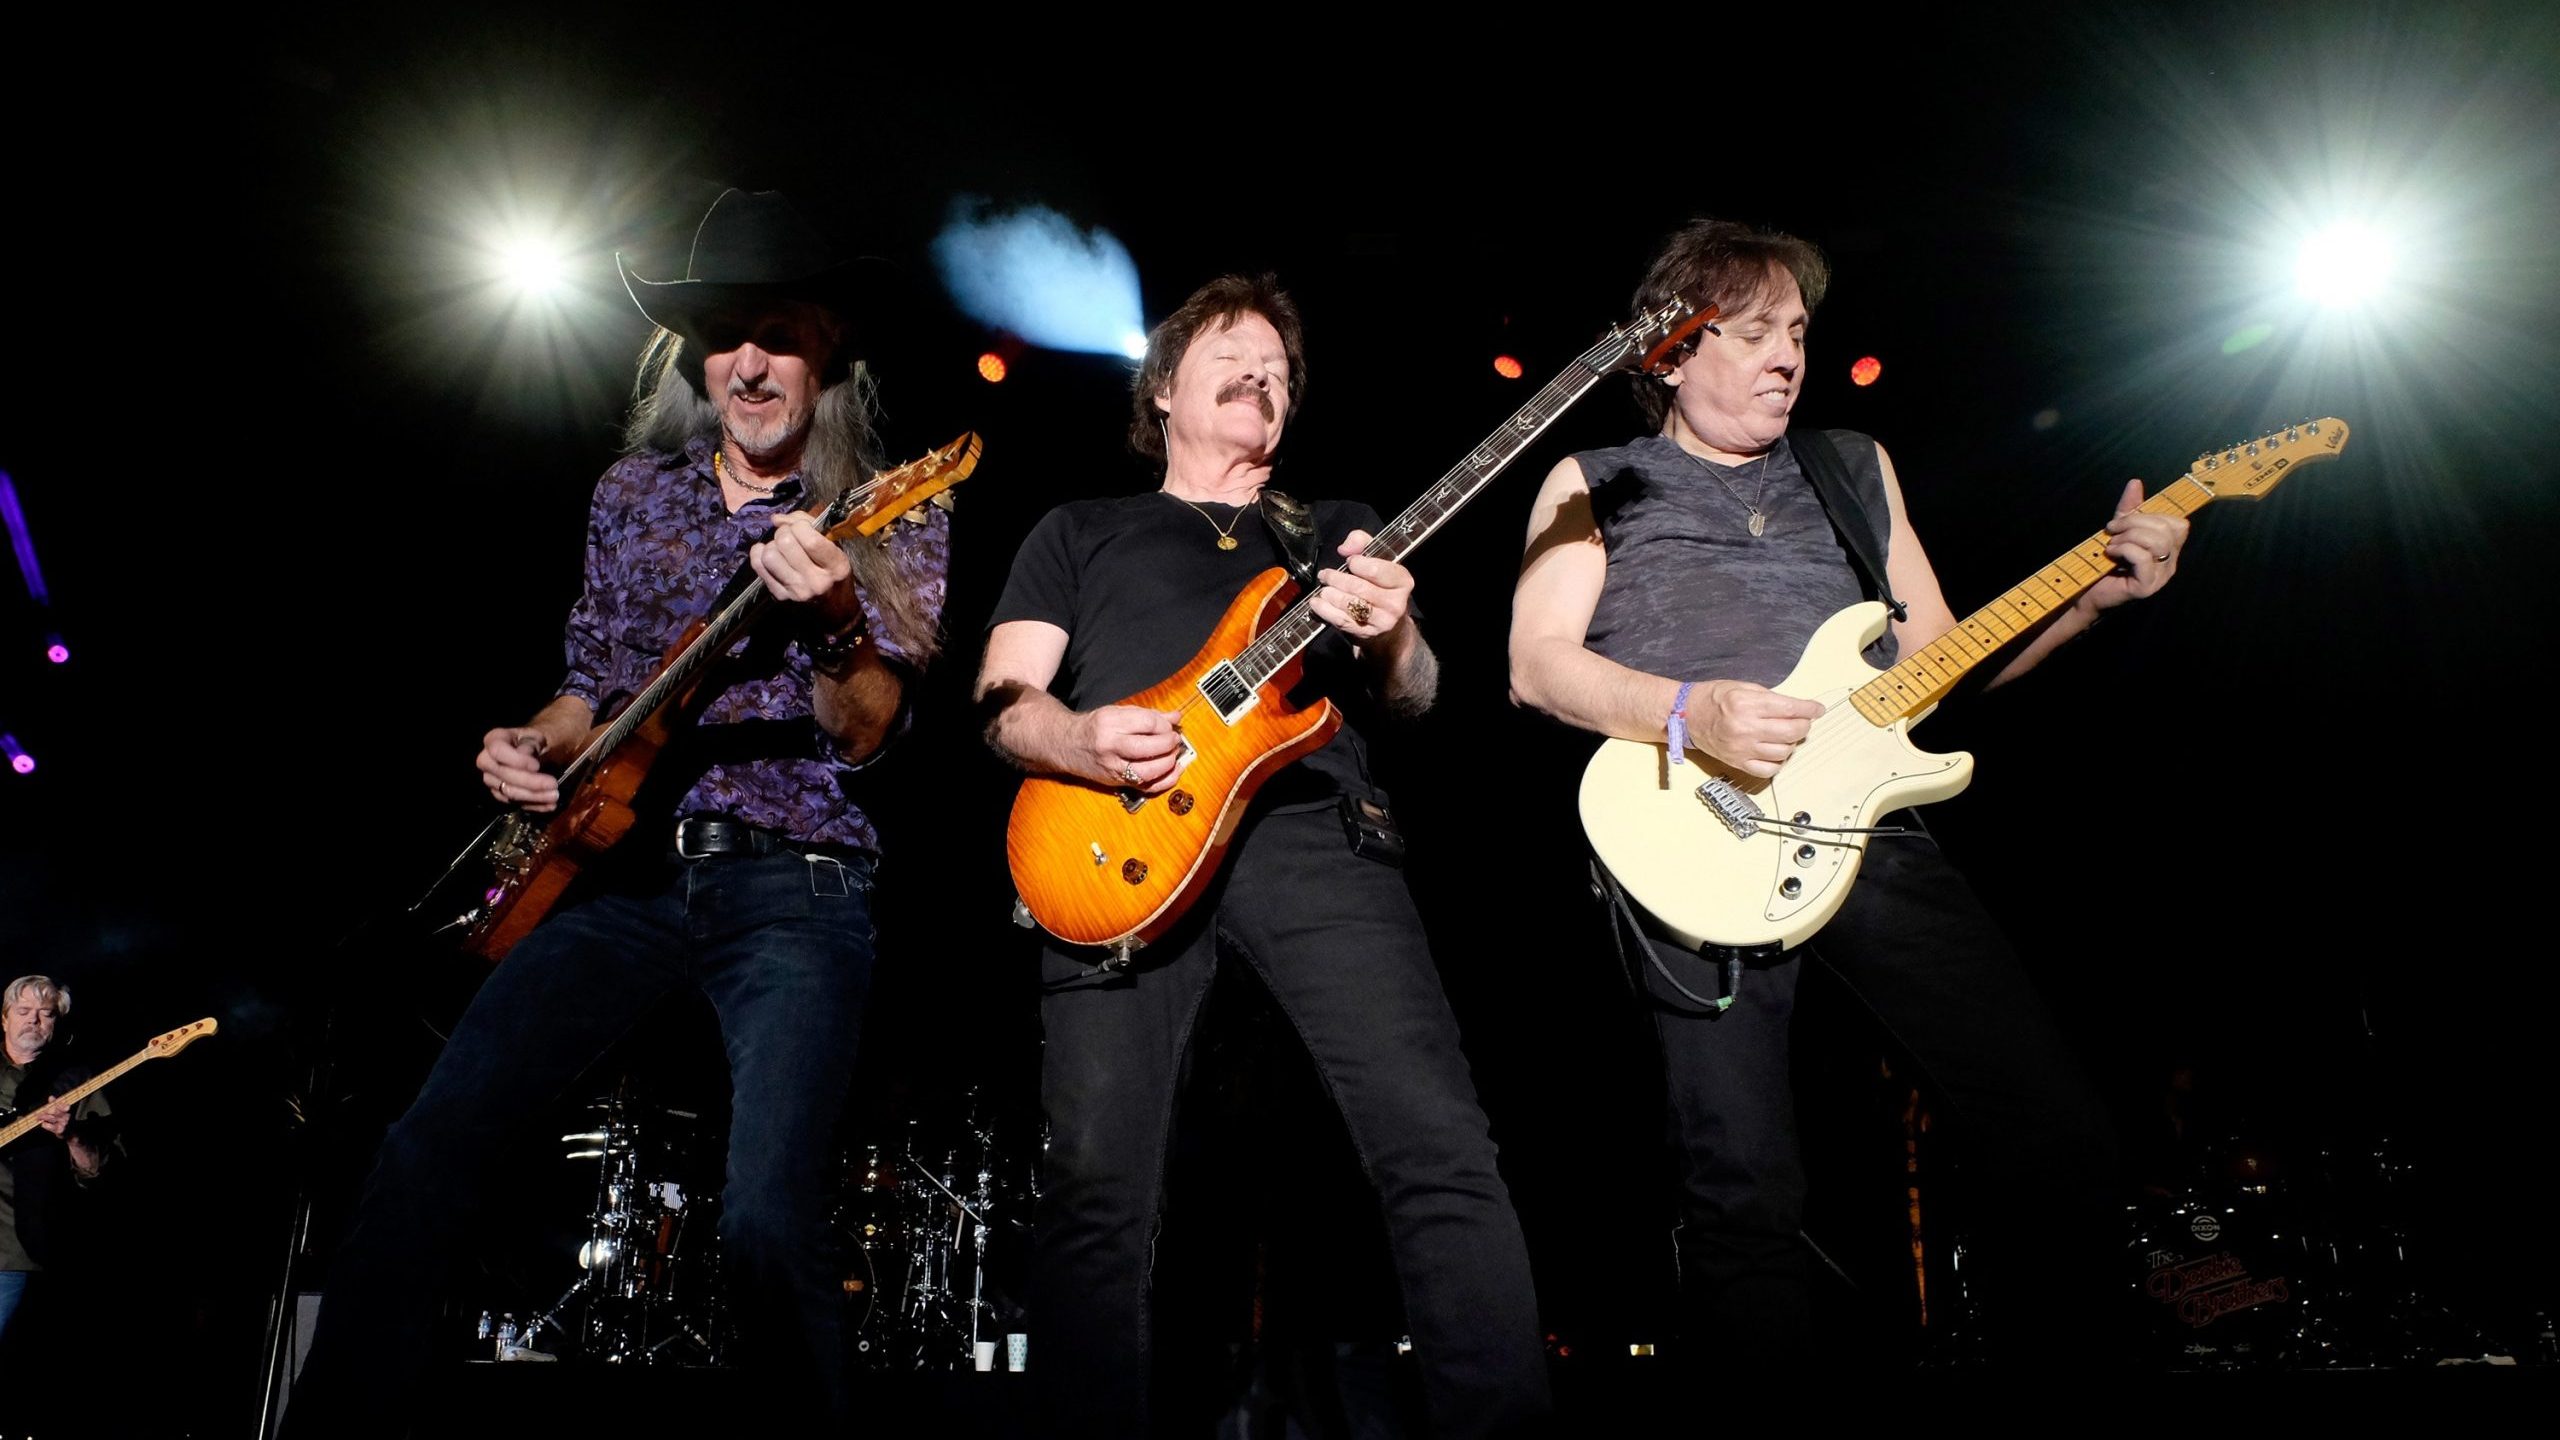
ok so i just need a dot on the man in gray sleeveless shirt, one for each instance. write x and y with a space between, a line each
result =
1668 584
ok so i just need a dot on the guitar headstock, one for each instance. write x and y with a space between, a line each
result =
164 1046
893 493
2251 469
1668 335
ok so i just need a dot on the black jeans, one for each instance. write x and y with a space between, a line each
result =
782 944
1338 943
1915 946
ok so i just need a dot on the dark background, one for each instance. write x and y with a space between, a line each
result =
308 495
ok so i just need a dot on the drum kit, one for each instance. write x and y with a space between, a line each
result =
931 1238
2256 1263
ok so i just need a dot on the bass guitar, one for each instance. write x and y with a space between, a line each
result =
160 1048
1727 860
517 868
1096 865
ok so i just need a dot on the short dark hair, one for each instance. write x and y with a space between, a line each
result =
1724 263
1218 304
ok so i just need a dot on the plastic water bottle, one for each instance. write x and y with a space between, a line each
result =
506 1335
484 1331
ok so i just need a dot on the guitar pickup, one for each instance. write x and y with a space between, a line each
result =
1732 807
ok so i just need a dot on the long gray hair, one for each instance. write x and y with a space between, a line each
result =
669 408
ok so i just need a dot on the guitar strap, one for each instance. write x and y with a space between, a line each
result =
1819 458
1292 528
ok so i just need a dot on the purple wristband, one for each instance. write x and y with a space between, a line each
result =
1676 729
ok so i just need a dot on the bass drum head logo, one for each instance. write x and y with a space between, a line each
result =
2206 1226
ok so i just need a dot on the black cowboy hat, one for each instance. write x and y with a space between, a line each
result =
752 248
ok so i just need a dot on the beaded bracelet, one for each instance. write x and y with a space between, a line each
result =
1677 727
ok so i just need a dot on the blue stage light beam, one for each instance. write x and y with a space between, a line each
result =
1038 274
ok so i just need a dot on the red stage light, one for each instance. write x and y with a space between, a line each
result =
991 367
1506 367
1866 370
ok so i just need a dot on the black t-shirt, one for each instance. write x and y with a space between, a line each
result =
1138 582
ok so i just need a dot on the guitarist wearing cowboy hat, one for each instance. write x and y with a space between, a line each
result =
749 872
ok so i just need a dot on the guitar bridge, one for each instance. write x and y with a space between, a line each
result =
1732 807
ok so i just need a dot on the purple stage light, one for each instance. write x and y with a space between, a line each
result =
56 651
19 540
19 759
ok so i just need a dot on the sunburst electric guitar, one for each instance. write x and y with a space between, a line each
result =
516 869
160 1048
1723 859
1111 867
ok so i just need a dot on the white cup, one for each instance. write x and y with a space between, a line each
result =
986 1354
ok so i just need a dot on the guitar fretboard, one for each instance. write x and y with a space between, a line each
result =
1928 673
1300 625
74 1096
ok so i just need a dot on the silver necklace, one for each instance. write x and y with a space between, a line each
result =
720 468
1759 520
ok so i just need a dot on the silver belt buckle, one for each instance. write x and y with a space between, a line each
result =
681 852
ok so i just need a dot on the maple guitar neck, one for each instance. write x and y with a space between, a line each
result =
160 1047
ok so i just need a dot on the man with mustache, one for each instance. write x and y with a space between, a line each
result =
749 873
1668 584
1106 598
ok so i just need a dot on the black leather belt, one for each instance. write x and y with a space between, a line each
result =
701 837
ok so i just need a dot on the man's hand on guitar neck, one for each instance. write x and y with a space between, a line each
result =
516 761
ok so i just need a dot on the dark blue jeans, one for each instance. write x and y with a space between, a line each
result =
782 945
1916 947
1338 943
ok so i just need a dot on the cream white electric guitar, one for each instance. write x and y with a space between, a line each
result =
1727 859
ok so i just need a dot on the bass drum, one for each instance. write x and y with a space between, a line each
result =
2221 1283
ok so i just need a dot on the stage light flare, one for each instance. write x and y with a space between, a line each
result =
531 266
2345 264
1508 367
56 651
1035 273
991 368
1866 370
19 759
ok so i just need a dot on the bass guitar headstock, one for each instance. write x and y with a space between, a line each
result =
165 1045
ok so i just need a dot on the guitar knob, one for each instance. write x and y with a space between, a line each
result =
1791 887
1802 817
1804 854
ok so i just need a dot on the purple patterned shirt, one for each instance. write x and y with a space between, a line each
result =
661 543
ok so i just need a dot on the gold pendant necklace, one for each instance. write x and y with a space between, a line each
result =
1226 533
1759 521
